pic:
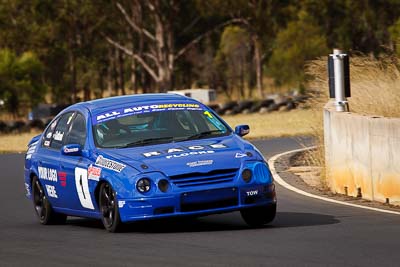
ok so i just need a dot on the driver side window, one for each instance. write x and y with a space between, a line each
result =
77 134
54 135
62 128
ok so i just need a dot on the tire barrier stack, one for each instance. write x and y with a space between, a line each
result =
40 116
269 104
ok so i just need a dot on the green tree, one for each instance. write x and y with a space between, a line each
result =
21 80
63 34
360 25
233 54
300 41
159 43
262 19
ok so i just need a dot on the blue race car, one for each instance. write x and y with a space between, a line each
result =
140 157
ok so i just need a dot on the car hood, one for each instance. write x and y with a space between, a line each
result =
190 156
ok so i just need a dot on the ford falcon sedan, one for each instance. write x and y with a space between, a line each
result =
141 157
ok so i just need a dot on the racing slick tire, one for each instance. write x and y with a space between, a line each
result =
259 216
43 209
109 208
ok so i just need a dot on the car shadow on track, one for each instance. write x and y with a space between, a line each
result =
231 222
297 219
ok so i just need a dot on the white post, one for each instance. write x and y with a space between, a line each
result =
340 98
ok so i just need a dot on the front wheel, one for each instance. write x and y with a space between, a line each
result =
42 206
259 216
109 208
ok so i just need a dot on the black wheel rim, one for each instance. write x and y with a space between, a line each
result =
39 200
107 200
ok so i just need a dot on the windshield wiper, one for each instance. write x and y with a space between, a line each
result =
148 141
204 134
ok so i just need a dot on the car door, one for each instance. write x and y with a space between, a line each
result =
76 168
48 158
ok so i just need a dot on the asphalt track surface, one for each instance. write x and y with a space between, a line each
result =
306 232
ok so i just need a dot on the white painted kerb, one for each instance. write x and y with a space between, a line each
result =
279 180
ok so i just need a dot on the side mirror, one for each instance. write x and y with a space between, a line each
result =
71 150
242 130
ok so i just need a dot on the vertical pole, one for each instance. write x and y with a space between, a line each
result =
340 98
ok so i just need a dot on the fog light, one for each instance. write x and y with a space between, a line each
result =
143 185
246 175
163 185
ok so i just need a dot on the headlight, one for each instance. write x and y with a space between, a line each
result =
262 173
246 175
143 185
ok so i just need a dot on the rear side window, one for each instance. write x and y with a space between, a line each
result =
48 135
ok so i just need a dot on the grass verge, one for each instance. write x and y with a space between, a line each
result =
277 124
11 143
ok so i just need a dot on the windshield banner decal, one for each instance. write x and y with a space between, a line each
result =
122 112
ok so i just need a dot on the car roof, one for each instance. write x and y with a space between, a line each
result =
108 103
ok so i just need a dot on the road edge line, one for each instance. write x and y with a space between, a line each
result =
280 181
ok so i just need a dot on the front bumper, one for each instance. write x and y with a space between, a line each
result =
197 203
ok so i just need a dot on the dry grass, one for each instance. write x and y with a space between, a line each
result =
276 124
15 142
375 84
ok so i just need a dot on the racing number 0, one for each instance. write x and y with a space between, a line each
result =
82 187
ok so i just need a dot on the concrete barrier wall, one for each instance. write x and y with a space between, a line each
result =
362 155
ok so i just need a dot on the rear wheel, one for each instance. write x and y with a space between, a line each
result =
259 216
42 206
109 208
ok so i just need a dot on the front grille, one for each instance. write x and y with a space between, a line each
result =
197 178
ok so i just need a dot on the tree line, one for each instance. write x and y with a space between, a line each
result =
72 50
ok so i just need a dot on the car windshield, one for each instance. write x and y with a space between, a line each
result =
122 129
